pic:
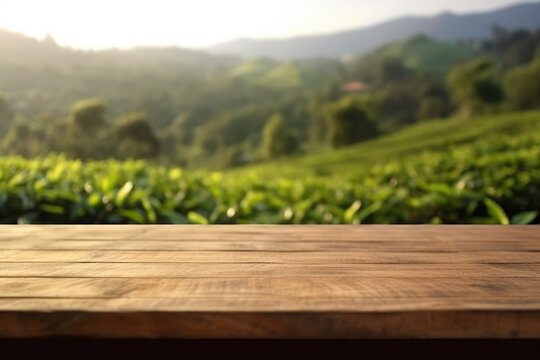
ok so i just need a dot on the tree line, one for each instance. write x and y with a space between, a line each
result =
237 112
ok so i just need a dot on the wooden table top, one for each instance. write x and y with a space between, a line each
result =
270 281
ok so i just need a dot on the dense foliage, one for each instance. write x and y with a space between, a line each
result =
277 139
349 123
496 180
475 87
523 86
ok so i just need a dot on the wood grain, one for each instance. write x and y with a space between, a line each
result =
270 281
270 246
256 257
291 287
284 271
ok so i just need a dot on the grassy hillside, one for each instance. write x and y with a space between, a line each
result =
430 136
288 75
482 171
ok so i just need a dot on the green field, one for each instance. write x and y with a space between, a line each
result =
484 170
428 137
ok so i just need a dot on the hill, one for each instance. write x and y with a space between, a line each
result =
446 26
41 77
424 54
200 105
308 73
491 176
209 111
427 137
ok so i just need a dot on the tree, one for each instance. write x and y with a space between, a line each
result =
6 116
22 139
501 38
389 70
181 128
136 138
475 87
17 139
513 48
349 123
85 124
236 156
523 86
277 139
209 138
398 107
317 123
88 115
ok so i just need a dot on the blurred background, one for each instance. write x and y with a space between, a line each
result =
299 111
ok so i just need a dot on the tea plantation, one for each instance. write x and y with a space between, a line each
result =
483 170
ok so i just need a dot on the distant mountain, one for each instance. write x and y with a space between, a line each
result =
446 26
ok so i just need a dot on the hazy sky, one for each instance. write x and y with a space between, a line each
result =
127 23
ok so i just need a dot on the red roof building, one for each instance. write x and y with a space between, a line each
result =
355 86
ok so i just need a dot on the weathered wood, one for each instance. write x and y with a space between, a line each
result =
276 288
270 281
255 257
277 246
284 271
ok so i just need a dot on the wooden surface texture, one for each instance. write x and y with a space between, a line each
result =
270 281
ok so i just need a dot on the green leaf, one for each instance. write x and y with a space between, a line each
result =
123 193
94 200
496 212
440 188
175 174
150 213
53 209
524 218
17 180
132 215
352 210
196 218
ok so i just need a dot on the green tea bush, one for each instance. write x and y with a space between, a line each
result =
489 181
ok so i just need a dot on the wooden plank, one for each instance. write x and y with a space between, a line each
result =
274 233
197 270
270 281
265 304
323 257
256 245
272 288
